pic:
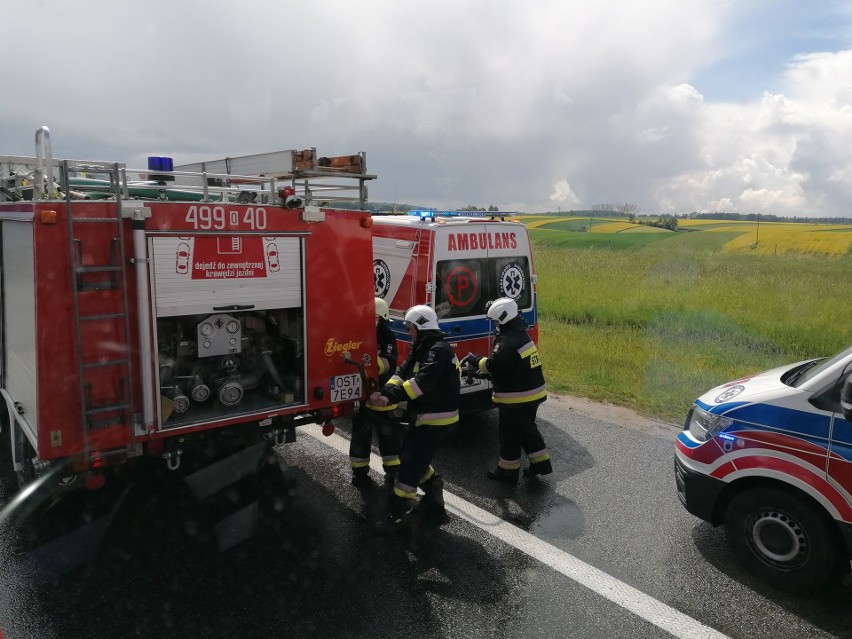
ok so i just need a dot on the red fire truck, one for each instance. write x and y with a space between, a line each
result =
142 315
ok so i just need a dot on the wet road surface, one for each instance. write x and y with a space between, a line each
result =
600 548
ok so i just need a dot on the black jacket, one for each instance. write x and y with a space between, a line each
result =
386 360
429 380
514 366
387 351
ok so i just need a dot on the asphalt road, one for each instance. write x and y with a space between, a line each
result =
601 548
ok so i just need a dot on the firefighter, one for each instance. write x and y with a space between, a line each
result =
373 416
515 371
429 381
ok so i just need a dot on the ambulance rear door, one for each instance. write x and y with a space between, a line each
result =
476 262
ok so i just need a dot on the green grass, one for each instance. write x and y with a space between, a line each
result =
619 241
690 241
654 327
575 226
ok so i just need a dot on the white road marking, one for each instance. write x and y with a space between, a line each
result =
656 612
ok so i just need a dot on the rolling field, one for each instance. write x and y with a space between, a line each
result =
651 319
729 236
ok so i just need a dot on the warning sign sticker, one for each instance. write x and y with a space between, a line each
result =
194 274
219 257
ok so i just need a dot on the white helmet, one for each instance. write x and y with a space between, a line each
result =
382 309
422 317
503 310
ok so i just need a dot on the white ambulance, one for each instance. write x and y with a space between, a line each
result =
455 262
770 457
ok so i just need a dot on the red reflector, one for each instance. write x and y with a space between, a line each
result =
335 410
95 481
327 430
366 222
98 462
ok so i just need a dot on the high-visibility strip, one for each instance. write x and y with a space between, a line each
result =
406 492
429 475
390 460
527 349
539 457
359 462
383 364
513 464
437 419
483 364
412 389
396 380
376 407
519 397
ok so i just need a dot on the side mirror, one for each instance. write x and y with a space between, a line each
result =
846 399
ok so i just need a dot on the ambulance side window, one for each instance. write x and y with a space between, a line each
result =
459 289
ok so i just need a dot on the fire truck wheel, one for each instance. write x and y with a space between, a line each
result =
784 539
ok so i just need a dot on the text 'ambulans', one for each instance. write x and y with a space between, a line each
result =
474 241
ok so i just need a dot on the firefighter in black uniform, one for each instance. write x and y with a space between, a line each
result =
515 371
372 416
429 381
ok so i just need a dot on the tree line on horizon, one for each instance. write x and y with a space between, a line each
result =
628 212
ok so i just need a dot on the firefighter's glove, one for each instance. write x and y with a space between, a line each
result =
470 361
378 399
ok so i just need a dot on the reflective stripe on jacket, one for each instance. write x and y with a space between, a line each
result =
429 379
514 366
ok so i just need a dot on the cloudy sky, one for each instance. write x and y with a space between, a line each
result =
671 105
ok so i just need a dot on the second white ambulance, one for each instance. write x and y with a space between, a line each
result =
455 262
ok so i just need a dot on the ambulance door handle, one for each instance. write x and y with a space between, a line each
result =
234 307
457 328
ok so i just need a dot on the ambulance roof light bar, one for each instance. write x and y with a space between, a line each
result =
427 214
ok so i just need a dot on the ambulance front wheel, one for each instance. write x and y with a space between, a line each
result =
784 539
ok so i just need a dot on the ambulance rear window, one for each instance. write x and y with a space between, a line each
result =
465 285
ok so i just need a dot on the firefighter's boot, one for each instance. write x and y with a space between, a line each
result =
542 467
390 474
431 506
398 518
504 475
361 476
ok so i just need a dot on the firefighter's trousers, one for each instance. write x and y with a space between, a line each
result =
519 434
389 436
418 449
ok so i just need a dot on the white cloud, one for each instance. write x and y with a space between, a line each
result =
563 196
784 154
461 103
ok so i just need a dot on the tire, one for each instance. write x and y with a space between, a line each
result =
784 538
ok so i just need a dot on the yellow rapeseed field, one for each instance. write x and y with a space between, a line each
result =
773 238
699 223
541 221
612 227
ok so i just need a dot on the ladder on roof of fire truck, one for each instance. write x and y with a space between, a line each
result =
317 177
